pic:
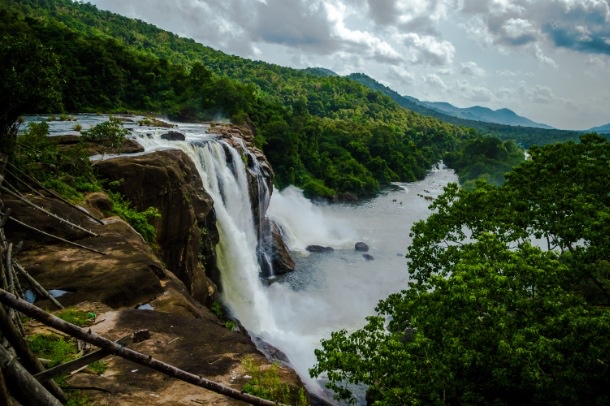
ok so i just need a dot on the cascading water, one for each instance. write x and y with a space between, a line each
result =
225 178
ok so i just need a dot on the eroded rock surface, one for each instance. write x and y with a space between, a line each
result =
186 230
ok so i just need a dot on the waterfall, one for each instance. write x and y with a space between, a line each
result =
225 177
290 320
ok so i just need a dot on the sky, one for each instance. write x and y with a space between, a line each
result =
548 60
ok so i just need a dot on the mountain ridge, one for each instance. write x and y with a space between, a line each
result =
480 113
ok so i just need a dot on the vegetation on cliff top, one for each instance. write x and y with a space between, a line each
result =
328 134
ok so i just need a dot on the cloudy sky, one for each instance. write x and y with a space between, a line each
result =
548 60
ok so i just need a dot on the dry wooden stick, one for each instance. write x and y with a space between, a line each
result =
29 360
21 223
48 213
23 183
124 352
79 362
31 179
37 286
32 391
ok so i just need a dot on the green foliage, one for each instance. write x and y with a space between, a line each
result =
53 348
76 398
266 383
484 158
76 317
217 309
230 325
109 134
139 220
30 77
489 318
68 172
98 367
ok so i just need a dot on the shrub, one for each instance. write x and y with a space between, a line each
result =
110 134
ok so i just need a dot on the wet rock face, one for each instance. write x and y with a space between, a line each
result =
281 259
186 230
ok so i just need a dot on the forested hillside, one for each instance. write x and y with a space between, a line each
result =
328 134
525 136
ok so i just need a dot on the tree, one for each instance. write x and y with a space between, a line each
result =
490 317
29 82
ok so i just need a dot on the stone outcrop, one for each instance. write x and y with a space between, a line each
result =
173 136
186 230
281 260
362 247
318 248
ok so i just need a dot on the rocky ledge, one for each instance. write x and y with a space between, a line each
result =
119 273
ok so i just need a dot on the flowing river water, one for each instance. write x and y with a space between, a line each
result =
328 291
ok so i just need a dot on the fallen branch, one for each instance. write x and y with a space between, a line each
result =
37 286
54 236
78 363
48 213
28 359
53 193
123 352
27 388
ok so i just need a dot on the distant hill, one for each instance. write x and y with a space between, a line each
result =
602 129
323 72
525 136
478 113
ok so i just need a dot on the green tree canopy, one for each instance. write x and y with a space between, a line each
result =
490 317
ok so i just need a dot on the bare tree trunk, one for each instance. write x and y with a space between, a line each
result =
29 360
123 352
25 387
5 397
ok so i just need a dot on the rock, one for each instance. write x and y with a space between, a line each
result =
368 257
128 273
173 136
186 231
273 353
318 248
100 202
281 260
66 142
362 247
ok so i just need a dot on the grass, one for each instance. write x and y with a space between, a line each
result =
266 383
76 317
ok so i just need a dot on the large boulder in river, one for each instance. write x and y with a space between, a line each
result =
362 247
186 231
173 136
318 248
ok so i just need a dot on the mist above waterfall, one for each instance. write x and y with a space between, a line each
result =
304 223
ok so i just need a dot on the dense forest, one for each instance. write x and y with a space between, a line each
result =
330 135
509 297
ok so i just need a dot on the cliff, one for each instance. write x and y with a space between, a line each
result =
172 278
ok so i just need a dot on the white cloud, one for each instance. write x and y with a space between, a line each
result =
435 81
400 75
471 69
429 50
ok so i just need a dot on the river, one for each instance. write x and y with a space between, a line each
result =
334 290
